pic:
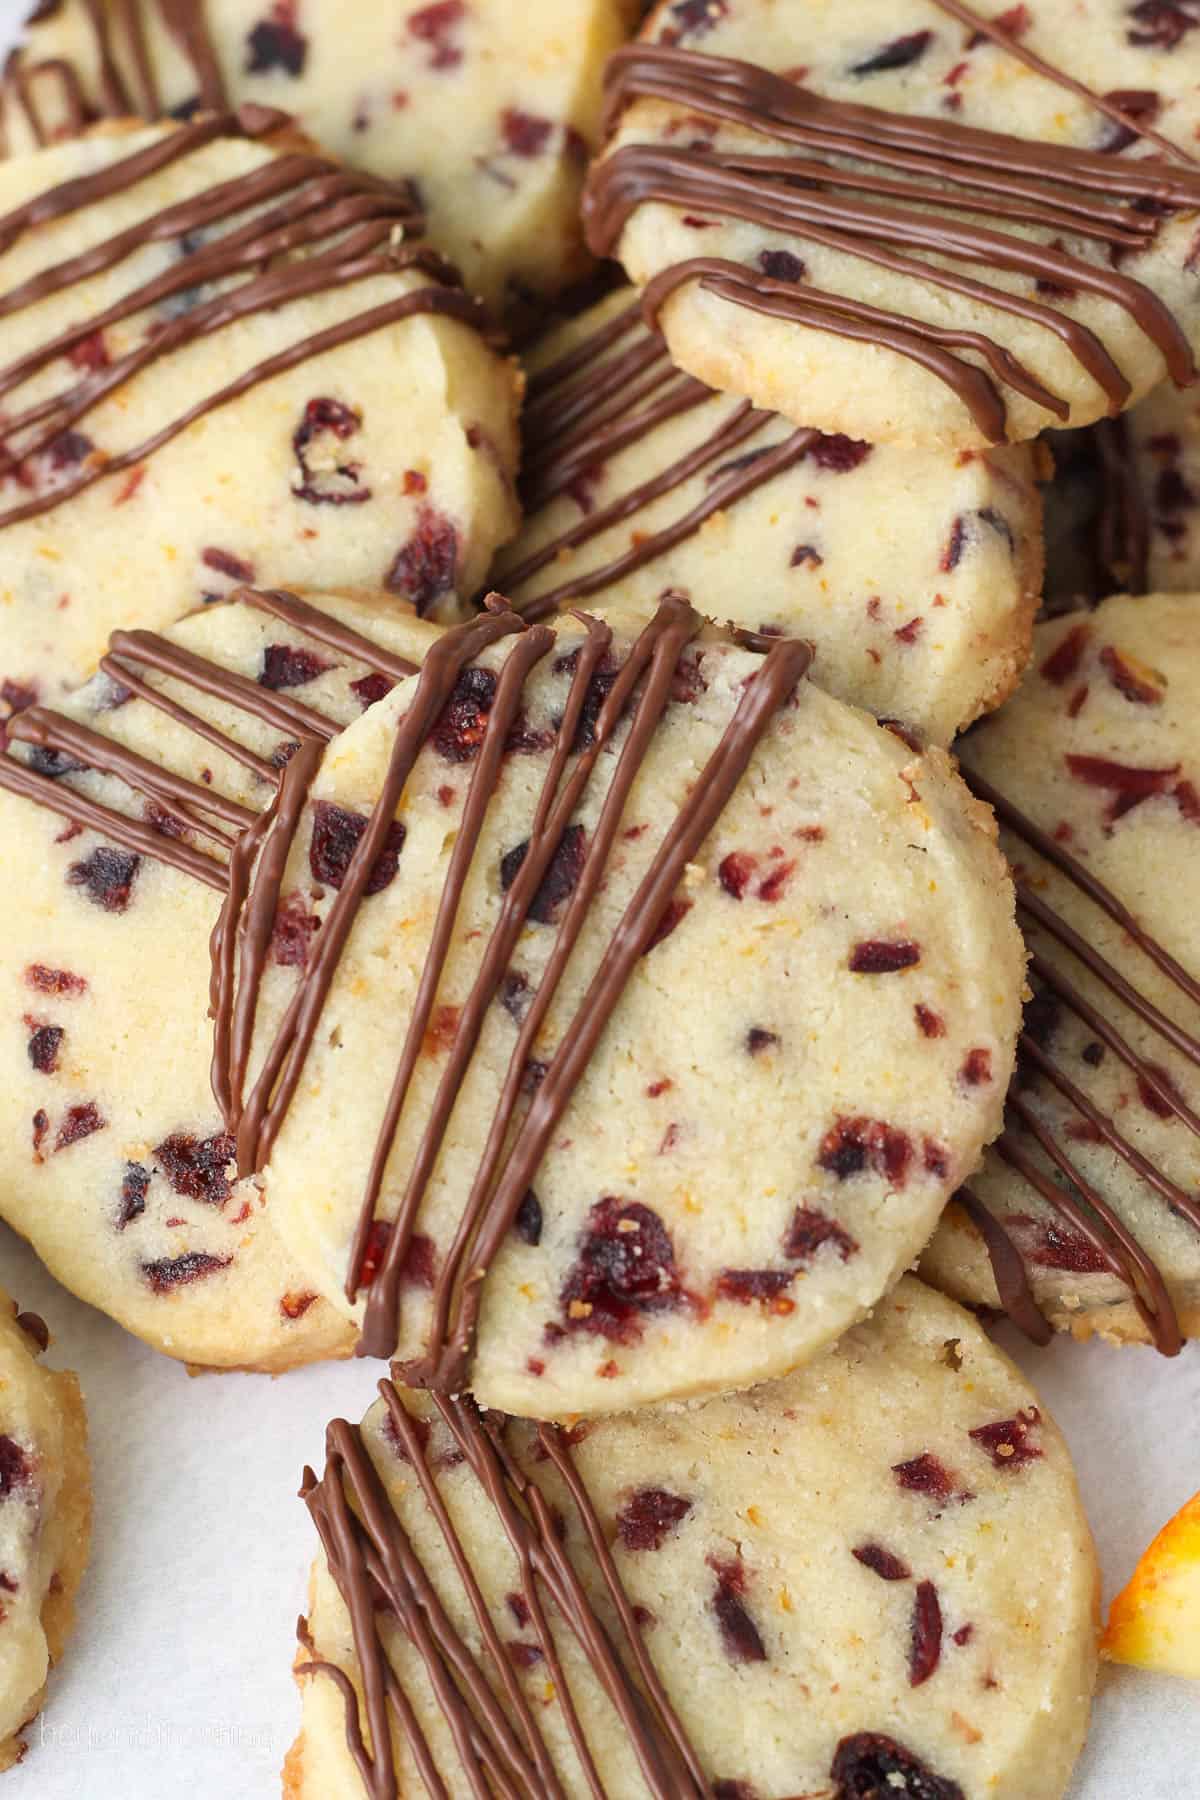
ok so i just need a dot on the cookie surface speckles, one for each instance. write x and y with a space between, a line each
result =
872 1577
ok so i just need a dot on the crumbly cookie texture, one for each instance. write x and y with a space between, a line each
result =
873 1576
45 1519
376 85
1123 511
1093 1181
915 573
964 67
799 1066
383 460
119 1171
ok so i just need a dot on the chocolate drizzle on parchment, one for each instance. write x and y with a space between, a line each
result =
884 188
1064 1188
589 405
308 227
499 1745
515 1141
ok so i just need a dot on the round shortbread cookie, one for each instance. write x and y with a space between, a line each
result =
870 1579
45 1519
118 1169
377 85
345 419
1090 1197
639 1070
914 573
1123 511
791 185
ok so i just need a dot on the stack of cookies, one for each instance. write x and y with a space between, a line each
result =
548 846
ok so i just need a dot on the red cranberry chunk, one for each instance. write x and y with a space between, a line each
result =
759 1039
106 877
740 1636
977 1068
515 995
45 1042
736 871
292 933
41 1125
860 1145
422 1431
289 666
335 838
1152 1098
677 911
1141 105
197 1168
434 25
79 1122
419 1268
1129 786
1137 686
524 1656
426 567
54 981
748 1285
525 134
1051 1245
1008 1441
1064 660
810 1229
372 688
1161 24
598 689
901 53
781 265
133 1194
558 883
931 1023
837 453
626 1267
341 484
69 449
924 1474
17 695
16 1470
276 43
169 1272
879 956
53 764
925 1634
462 722
955 544
648 1518
882 1562
528 1222
294 1306
870 1766
693 18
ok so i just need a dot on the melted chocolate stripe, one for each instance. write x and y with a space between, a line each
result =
175 660
582 356
124 676
324 629
599 437
1008 1270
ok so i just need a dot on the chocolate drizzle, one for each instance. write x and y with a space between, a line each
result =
586 407
514 1143
500 1748
201 809
879 186
1072 1197
348 224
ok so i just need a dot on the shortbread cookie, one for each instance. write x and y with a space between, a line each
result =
1123 510
918 221
220 362
641 1040
872 1578
1088 1201
492 109
45 1519
914 573
116 829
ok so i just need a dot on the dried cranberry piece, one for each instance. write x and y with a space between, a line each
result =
758 1039
882 1562
276 43
648 1518
422 1430
857 1145
106 877
837 453
340 485
626 1267
53 764
426 567
462 722
515 995
80 1122
289 666
1129 680
528 1222
197 1167
1007 1441
677 911
15 1466
806 556
1154 1101
294 1306
419 1268
90 353
41 1125
955 545
1052 1246
1142 105
1064 660
931 1023
598 689
133 1194
977 1068
924 1474
735 872
908 634
881 956
870 1766
524 1656
17 696
54 981
69 449
525 134
739 1634
747 1285
694 18
168 1272
901 53
224 562
559 881
44 1044
925 1634
781 265
372 688
1161 24
1129 786
292 932
809 1229
433 25
335 838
